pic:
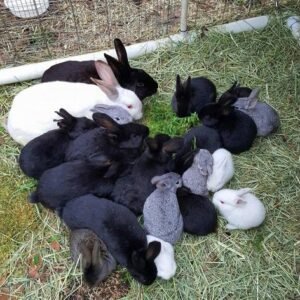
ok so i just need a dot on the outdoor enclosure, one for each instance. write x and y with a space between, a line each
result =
60 28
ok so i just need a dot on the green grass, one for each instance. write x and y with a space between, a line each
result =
262 263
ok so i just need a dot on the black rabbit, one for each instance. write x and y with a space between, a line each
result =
237 130
192 95
198 213
48 150
133 189
119 229
130 78
112 139
73 179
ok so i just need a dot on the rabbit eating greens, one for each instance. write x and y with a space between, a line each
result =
240 208
97 262
33 109
162 217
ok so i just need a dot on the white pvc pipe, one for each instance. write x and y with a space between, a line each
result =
293 24
183 15
36 70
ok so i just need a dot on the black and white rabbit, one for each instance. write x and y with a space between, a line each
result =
192 95
134 79
198 213
97 263
33 109
119 229
237 130
48 150
73 179
112 139
133 189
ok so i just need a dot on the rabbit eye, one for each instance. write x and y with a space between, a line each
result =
129 106
177 182
222 202
140 84
117 118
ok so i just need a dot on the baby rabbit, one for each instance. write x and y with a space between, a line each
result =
132 189
117 141
162 217
165 261
48 150
97 262
73 179
117 113
33 109
134 79
192 95
223 170
195 177
237 130
119 229
265 117
240 208
198 213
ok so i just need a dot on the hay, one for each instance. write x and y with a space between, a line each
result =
262 263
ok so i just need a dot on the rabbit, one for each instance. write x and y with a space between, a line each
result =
132 189
48 150
195 177
237 130
73 179
192 95
97 262
162 217
240 208
117 113
33 109
223 170
119 229
165 261
134 79
198 213
112 139
264 116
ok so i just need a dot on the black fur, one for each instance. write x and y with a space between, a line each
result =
130 78
236 129
119 142
132 190
48 150
235 91
198 213
192 95
120 231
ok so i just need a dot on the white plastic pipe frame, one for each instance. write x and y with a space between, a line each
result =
36 70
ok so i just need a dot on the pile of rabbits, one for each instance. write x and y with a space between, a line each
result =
98 170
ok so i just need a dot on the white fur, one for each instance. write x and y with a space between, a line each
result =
33 109
240 208
223 170
165 261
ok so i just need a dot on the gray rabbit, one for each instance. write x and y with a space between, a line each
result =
162 217
97 262
265 117
117 113
195 177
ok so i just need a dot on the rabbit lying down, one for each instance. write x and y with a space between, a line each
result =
240 208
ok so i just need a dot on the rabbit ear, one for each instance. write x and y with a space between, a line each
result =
99 160
117 67
242 192
110 91
188 83
96 254
155 179
67 121
121 52
178 83
232 88
112 170
240 201
153 250
106 122
253 98
173 145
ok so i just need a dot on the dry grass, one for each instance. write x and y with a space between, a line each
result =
262 263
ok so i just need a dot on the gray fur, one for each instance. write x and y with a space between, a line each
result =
195 177
97 262
117 113
264 116
162 217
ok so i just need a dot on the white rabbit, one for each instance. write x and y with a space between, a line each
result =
223 170
240 208
33 109
165 261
